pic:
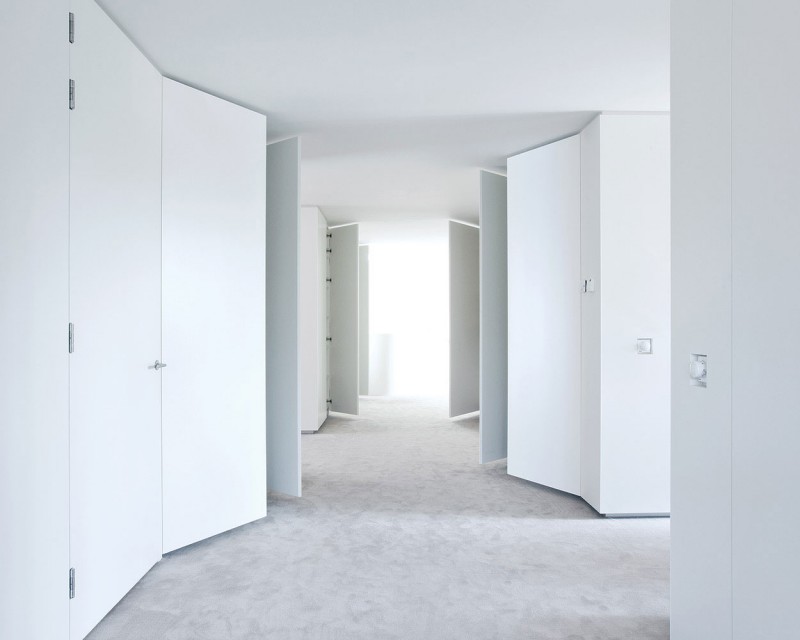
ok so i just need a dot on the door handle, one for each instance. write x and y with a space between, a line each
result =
159 365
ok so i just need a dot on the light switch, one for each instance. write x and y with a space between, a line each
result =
644 346
698 370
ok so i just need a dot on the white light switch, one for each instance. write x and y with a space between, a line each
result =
644 346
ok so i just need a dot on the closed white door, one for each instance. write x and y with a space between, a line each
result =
115 305
214 387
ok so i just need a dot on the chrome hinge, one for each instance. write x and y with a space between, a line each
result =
71 584
71 94
71 27
71 342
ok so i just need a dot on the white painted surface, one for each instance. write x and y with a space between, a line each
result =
283 219
591 314
214 431
544 332
115 304
766 316
701 320
34 303
625 247
313 303
344 313
322 318
380 138
493 317
464 319
363 320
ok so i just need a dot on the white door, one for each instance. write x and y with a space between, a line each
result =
214 417
494 318
283 288
363 320
544 315
34 378
115 305
344 312
464 319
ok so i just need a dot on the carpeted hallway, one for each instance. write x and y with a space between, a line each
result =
401 534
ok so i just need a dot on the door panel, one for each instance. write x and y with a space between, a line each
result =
363 320
214 417
115 305
283 413
544 315
494 318
344 319
464 319
34 304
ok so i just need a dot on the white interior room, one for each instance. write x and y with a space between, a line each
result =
399 320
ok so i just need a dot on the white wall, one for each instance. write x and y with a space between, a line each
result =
765 375
213 270
34 241
625 250
736 442
283 397
701 319
464 319
493 317
544 316
312 316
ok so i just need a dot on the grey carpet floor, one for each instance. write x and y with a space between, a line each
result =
401 534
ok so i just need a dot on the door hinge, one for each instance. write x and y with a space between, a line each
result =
71 341
71 27
71 94
71 583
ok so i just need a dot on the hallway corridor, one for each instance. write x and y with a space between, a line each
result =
401 534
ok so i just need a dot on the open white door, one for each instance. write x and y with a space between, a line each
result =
544 315
363 320
283 390
344 312
214 416
464 319
493 318
115 305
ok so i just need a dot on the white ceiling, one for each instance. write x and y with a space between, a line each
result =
399 102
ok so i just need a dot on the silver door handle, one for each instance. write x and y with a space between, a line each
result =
159 365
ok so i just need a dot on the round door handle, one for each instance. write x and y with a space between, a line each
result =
159 365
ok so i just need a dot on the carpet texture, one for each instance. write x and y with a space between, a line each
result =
401 534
